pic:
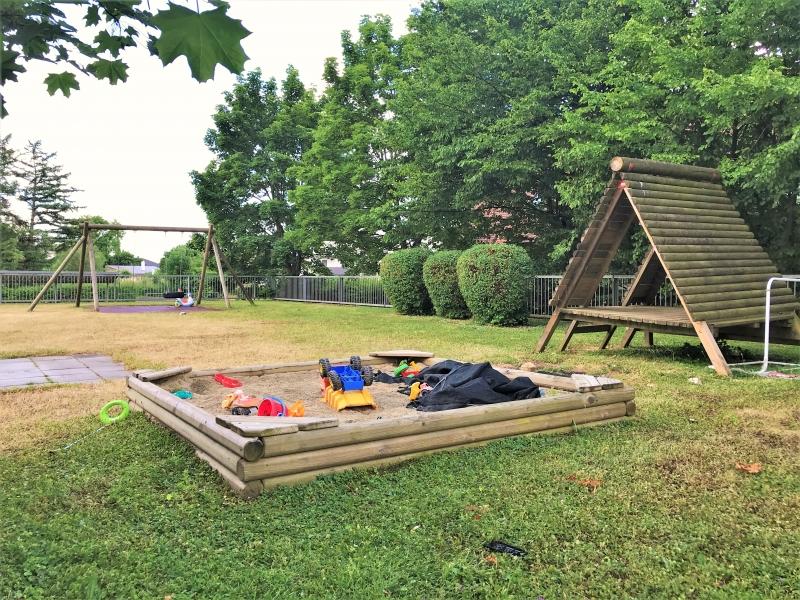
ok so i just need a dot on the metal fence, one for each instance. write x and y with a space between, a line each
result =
22 287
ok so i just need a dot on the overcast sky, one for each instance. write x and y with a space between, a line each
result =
131 146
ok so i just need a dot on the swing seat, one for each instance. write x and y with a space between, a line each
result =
174 295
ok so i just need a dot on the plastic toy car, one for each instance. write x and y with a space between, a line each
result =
343 385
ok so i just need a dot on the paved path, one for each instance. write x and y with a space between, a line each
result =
38 370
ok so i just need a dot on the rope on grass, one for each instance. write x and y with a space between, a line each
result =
106 419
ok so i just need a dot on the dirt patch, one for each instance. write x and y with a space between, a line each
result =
300 385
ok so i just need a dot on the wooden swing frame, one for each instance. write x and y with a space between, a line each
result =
86 246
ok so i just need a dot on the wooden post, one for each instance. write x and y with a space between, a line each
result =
236 279
568 334
712 349
218 260
611 330
627 337
93 272
206 253
549 329
55 275
82 265
648 338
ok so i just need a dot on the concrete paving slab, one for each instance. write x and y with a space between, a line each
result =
15 361
59 364
113 374
23 381
21 374
74 378
58 372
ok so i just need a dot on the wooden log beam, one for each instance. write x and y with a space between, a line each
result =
668 229
685 249
681 199
712 349
676 188
206 252
676 267
655 167
162 374
222 282
55 275
422 423
764 270
93 273
741 240
306 365
117 227
671 181
354 453
81 264
194 436
549 329
247 490
301 478
247 448
679 217
568 334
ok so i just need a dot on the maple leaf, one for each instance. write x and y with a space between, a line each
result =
490 559
587 482
751 468
65 82
206 39
113 70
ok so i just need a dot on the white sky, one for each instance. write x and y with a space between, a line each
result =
130 147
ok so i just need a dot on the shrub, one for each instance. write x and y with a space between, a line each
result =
401 276
493 279
441 281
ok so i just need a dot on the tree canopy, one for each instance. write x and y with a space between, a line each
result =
38 30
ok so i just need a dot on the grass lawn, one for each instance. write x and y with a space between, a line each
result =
130 512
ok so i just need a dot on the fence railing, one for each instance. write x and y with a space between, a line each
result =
22 287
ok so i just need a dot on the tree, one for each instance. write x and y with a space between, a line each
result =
348 202
11 256
181 260
43 188
258 134
36 30
8 184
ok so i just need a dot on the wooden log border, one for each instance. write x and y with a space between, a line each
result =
251 465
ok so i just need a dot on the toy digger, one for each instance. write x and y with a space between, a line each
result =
343 386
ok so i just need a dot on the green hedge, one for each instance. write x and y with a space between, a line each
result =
441 280
493 279
401 276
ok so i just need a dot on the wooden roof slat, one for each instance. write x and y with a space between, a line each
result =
696 218
743 250
776 300
720 193
662 228
677 264
668 197
657 167
671 181
656 208
734 294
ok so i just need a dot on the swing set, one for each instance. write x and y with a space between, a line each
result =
86 246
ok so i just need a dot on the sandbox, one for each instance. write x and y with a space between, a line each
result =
253 454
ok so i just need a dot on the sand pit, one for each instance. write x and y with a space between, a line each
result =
303 385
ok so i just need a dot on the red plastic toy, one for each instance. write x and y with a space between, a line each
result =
228 382
272 407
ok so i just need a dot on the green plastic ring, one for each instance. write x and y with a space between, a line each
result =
107 419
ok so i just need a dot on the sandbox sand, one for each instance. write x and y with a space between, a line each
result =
290 387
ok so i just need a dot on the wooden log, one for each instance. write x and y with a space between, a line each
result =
93 274
712 349
732 292
679 274
247 490
545 380
650 186
206 252
247 448
745 240
269 426
756 312
191 434
222 283
257 370
549 330
421 423
678 217
117 227
55 275
163 374
306 477
682 199
630 408
727 304
711 281
670 181
354 453
687 250
82 263
660 228
573 325
676 267
656 167
394 354
656 208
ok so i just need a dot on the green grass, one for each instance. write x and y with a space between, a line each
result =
130 512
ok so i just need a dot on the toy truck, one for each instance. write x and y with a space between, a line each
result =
343 386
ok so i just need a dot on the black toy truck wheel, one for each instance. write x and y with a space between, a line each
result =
355 363
336 381
367 375
324 367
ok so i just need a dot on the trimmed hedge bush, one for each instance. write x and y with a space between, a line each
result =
401 276
441 281
493 279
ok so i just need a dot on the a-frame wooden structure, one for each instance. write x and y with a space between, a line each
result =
699 242
86 246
